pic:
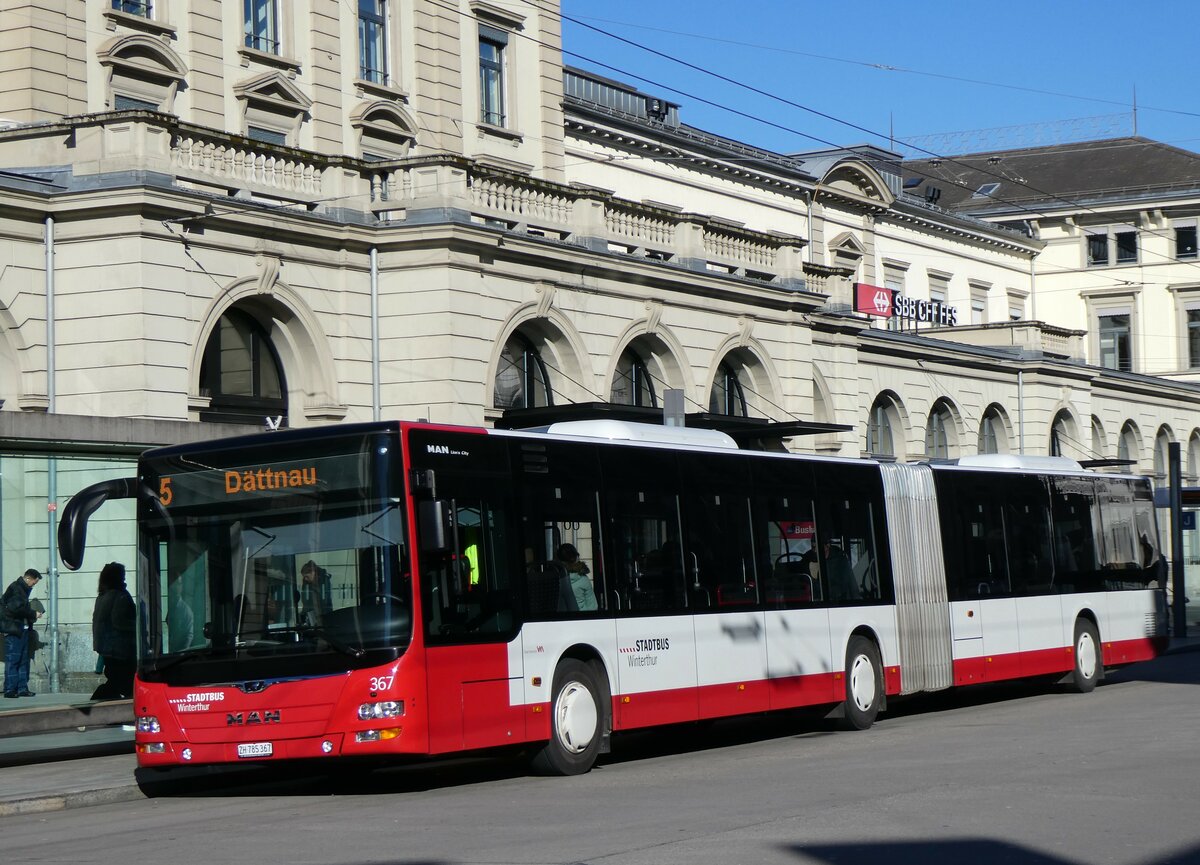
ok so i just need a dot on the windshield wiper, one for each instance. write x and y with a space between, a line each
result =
186 655
334 642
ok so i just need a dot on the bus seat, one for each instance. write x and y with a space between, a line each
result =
544 585
736 595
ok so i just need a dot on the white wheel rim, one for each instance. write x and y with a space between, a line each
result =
1085 653
862 683
575 717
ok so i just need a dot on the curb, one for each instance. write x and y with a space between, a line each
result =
63 801
61 718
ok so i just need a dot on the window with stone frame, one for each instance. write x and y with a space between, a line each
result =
493 48
261 25
373 41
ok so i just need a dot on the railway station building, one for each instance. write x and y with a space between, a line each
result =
218 218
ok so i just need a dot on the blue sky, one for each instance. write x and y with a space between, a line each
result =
1028 73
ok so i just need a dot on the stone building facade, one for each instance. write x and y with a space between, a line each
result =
215 217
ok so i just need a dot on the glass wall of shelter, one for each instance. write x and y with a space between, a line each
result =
33 486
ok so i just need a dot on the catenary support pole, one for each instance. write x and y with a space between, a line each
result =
52 629
376 403
1178 587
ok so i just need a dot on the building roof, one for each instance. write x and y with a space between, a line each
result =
1055 177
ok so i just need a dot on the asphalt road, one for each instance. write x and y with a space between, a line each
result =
998 775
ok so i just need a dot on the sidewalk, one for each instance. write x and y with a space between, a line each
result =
97 775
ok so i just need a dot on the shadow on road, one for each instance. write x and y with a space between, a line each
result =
1179 668
977 851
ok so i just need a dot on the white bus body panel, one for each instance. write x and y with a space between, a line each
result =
798 644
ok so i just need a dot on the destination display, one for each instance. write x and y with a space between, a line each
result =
321 474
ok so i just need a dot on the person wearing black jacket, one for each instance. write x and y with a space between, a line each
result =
114 634
17 616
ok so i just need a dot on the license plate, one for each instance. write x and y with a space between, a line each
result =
255 749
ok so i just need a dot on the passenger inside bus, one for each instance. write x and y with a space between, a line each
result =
839 574
577 576
316 594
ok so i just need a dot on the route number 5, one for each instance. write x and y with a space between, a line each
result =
165 494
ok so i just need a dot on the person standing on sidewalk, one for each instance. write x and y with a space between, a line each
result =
114 634
17 616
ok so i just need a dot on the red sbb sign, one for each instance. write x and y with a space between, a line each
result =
873 300
886 303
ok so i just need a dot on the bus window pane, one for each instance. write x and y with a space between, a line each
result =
718 548
560 530
849 513
467 590
1073 503
646 555
972 521
1027 537
1130 558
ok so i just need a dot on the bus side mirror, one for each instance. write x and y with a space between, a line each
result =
73 520
434 523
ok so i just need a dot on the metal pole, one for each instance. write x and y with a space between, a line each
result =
1178 589
673 407
376 401
52 626
1020 412
52 570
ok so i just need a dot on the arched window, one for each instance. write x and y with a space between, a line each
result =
940 432
521 378
1097 438
728 396
1060 434
993 434
143 73
241 373
1162 456
880 441
384 132
632 382
1128 446
1193 458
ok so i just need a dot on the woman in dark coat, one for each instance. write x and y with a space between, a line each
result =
114 638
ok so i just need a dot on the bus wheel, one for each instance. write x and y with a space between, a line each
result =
576 721
1088 665
864 684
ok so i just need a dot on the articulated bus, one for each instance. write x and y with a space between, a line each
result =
397 589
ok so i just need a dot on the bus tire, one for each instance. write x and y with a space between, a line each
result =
1089 667
578 720
864 684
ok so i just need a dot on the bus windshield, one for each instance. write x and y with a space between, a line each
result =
261 558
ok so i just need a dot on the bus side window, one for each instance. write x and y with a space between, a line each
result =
972 521
646 564
559 497
466 587
1073 504
718 550
849 516
1027 536
786 533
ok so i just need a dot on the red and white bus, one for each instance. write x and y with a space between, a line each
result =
388 589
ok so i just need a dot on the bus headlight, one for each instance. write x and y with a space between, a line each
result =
148 724
385 709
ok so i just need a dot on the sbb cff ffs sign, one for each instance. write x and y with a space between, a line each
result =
885 303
